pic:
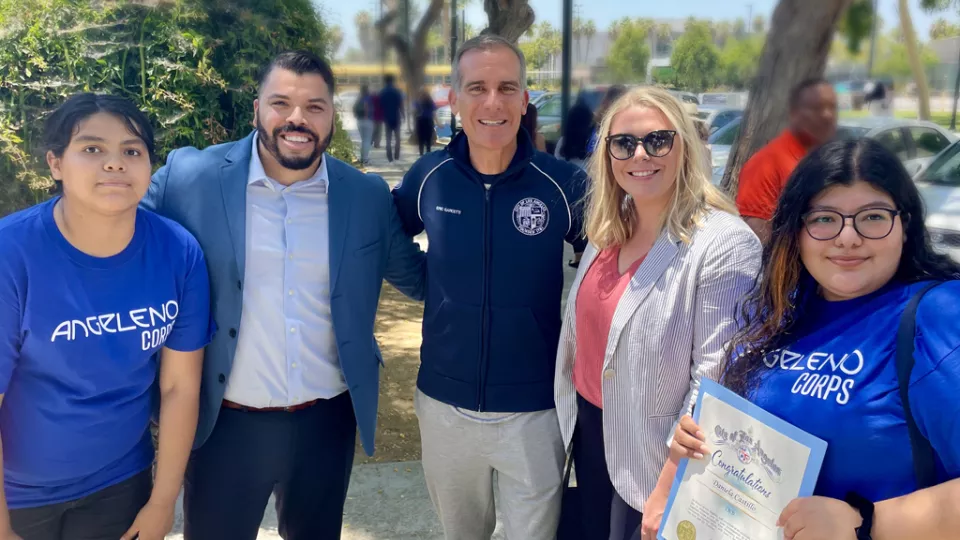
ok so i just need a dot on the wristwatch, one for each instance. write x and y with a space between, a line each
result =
865 508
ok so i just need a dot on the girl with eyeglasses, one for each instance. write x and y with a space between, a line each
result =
848 254
650 312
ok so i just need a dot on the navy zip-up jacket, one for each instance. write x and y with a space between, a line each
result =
491 322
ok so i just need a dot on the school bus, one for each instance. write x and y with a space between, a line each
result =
352 76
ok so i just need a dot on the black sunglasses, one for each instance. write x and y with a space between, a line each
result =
656 144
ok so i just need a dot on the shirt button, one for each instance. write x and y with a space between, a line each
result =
608 373
222 378
294 365
293 330
233 332
290 256
289 221
290 292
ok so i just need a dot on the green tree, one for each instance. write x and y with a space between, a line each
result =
739 59
695 58
943 29
629 54
893 59
541 43
192 66
857 23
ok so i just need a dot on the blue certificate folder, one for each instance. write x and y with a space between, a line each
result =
817 446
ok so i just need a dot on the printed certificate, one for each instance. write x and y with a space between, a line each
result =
757 465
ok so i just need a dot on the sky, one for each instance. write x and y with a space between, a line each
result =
603 12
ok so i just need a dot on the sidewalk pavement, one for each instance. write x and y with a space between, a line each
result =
385 501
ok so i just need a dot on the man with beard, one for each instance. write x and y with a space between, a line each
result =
297 244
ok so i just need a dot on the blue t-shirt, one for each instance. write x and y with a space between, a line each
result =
838 381
78 343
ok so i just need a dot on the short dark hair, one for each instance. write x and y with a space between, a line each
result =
799 89
300 62
61 125
389 79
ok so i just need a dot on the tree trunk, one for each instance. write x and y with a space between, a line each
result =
956 96
508 19
916 65
445 32
796 48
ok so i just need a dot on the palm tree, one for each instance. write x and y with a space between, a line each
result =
589 30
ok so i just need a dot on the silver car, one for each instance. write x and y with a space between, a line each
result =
915 142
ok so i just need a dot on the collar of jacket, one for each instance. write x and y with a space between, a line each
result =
459 150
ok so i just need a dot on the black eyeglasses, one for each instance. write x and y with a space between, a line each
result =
655 144
870 223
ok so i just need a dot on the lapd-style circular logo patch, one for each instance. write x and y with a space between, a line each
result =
530 216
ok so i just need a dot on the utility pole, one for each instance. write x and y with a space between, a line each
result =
383 45
873 40
750 19
454 34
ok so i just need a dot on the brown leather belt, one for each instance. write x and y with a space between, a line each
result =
293 408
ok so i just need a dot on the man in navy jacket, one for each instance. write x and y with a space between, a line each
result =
496 213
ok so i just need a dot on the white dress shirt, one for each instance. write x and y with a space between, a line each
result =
286 348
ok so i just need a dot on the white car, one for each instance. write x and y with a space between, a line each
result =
915 142
939 185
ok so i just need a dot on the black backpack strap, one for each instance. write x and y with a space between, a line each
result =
924 457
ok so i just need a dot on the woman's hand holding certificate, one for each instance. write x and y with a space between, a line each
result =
748 469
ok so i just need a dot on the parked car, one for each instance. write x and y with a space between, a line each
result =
689 101
939 185
915 142
717 117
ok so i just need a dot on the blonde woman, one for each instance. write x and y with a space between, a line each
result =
650 312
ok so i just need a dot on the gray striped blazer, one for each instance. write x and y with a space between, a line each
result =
670 329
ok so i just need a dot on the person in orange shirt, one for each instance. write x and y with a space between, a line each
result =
813 121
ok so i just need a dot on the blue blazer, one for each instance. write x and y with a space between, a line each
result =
206 192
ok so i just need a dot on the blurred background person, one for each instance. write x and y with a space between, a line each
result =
609 98
391 104
529 123
363 112
813 121
424 109
577 132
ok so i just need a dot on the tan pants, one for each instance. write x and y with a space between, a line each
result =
466 455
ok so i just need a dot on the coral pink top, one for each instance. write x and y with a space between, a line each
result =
597 300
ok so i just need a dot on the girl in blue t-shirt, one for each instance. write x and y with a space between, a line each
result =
101 305
849 250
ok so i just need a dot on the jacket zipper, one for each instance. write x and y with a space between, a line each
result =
484 307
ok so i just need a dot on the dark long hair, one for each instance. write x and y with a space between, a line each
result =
784 286
577 132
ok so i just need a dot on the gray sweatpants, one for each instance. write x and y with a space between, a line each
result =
463 451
